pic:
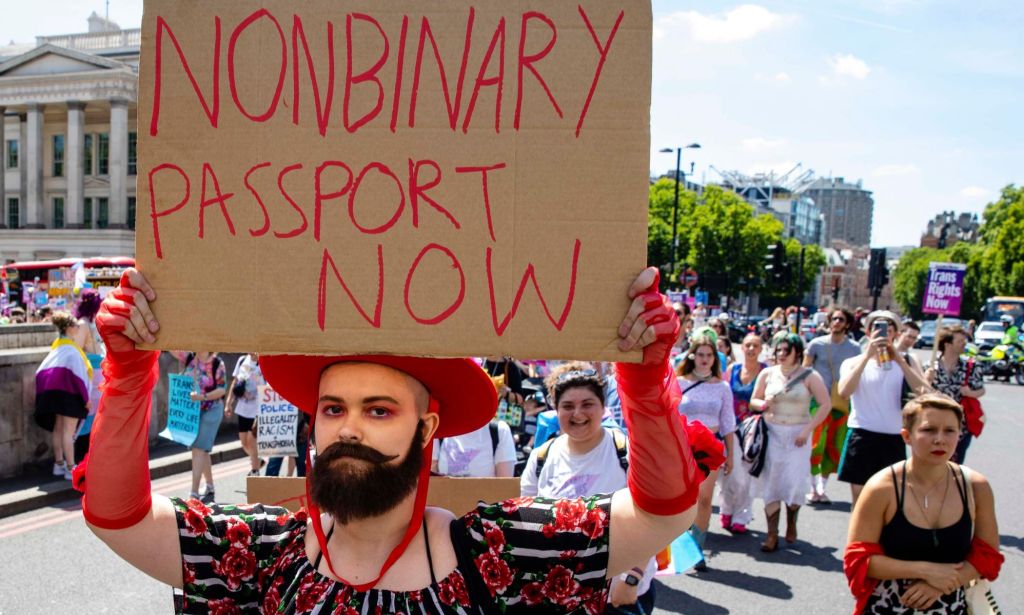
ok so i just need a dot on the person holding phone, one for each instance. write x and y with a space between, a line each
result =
873 382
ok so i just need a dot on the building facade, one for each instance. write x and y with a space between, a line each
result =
67 174
800 216
847 207
949 228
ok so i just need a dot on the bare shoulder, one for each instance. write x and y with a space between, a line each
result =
439 516
980 487
880 486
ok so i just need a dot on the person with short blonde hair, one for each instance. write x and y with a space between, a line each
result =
925 528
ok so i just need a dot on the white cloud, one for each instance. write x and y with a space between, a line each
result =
781 77
849 65
975 192
759 144
741 23
895 170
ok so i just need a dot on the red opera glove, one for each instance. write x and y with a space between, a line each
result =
664 477
985 559
856 559
115 474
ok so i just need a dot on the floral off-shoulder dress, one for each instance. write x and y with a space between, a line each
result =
522 555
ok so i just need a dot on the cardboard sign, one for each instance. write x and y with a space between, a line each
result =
277 426
460 178
458 495
944 291
182 412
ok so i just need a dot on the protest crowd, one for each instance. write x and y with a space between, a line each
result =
788 416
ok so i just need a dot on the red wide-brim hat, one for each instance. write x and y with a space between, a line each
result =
464 393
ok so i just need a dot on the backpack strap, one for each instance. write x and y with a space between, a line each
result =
621 448
542 454
493 428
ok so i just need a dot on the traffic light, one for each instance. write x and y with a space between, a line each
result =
775 263
878 273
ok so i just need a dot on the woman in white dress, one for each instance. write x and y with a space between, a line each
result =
783 393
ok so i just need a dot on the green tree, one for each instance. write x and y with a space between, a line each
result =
911 277
659 225
1001 264
725 241
796 287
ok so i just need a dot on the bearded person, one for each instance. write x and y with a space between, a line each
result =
368 543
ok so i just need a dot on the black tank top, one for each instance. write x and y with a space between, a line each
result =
903 540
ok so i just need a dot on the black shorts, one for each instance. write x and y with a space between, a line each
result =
867 452
245 424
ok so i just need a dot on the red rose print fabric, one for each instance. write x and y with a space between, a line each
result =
518 556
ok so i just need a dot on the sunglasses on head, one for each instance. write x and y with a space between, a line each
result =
576 374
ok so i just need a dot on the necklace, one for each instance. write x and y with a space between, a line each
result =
703 378
924 506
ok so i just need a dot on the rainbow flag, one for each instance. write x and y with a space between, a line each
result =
683 555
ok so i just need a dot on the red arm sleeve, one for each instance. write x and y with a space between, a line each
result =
855 564
114 477
669 457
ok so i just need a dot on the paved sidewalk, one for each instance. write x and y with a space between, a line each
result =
27 493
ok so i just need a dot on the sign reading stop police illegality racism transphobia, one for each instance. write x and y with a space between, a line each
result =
457 178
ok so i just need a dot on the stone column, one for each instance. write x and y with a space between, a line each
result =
118 163
74 152
33 162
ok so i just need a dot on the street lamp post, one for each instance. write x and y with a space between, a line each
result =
680 178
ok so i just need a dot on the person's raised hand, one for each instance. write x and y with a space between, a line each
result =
125 318
650 323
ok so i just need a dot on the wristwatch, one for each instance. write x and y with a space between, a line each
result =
633 577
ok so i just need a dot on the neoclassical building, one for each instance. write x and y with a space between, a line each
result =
67 174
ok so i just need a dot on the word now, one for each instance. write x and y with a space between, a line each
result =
366 65
457 292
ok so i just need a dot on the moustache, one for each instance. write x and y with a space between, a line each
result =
340 450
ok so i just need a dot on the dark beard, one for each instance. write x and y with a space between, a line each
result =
353 493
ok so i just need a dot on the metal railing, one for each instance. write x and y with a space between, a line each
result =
95 41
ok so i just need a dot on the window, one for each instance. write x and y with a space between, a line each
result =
58 212
87 159
133 138
58 155
131 213
13 219
103 215
12 154
104 153
87 213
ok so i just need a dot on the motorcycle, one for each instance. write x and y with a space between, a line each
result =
1003 362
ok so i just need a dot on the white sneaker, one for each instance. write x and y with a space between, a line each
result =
69 473
59 469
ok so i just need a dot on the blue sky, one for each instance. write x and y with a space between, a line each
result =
923 100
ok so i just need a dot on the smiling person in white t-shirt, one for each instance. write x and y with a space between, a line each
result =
487 452
586 459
